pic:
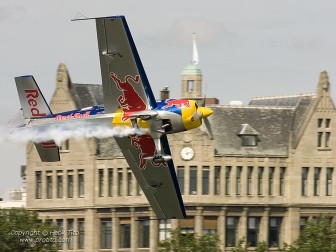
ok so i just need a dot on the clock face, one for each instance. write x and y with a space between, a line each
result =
187 153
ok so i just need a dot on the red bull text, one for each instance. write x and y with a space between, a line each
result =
31 96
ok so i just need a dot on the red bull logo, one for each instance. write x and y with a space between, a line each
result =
146 145
130 101
31 96
176 103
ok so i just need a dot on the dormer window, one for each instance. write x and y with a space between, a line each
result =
249 136
249 140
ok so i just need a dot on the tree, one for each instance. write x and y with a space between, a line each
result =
180 242
21 230
243 246
318 235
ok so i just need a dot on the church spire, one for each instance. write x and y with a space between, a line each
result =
195 58
191 76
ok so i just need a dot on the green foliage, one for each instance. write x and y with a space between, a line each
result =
180 242
21 231
243 246
317 236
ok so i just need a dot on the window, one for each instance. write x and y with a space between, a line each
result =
205 180
80 183
274 231
81 234
329 181
60 228
303 222
231 231
253 231
125 233
271 181
129 183
144 233
101 182
282 181
187 225
139 190
38 179
249 180
249 136
238 180
120 181
49 185
70 230
327 139
64 146
319 139
164 229
193 180
227 180
217 180
319 123
304 181
324 133
190 85
180 178
70 184
249 140
110 182
59 184
209 225
106 233
317 172
260 180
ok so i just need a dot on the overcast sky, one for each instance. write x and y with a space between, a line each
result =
247 48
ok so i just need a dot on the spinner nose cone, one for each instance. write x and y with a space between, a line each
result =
205 111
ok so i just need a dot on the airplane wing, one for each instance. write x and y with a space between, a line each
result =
125 83
157 180
127 90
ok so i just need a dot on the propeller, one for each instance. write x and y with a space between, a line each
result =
203 113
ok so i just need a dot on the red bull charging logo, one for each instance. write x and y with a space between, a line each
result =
176 103
146 145
130 101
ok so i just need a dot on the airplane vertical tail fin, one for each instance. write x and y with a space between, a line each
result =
32 101
35 106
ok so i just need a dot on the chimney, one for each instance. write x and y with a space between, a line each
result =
164 93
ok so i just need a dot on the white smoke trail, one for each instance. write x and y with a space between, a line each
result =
63 131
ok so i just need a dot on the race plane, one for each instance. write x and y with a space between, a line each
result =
128 101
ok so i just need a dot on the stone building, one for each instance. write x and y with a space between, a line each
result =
261 171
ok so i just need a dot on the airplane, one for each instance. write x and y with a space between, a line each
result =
128 101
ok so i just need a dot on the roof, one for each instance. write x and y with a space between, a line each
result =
86 95
273 118
191 69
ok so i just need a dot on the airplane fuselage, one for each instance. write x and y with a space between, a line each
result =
174 115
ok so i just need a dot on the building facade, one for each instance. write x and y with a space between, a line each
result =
260 171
